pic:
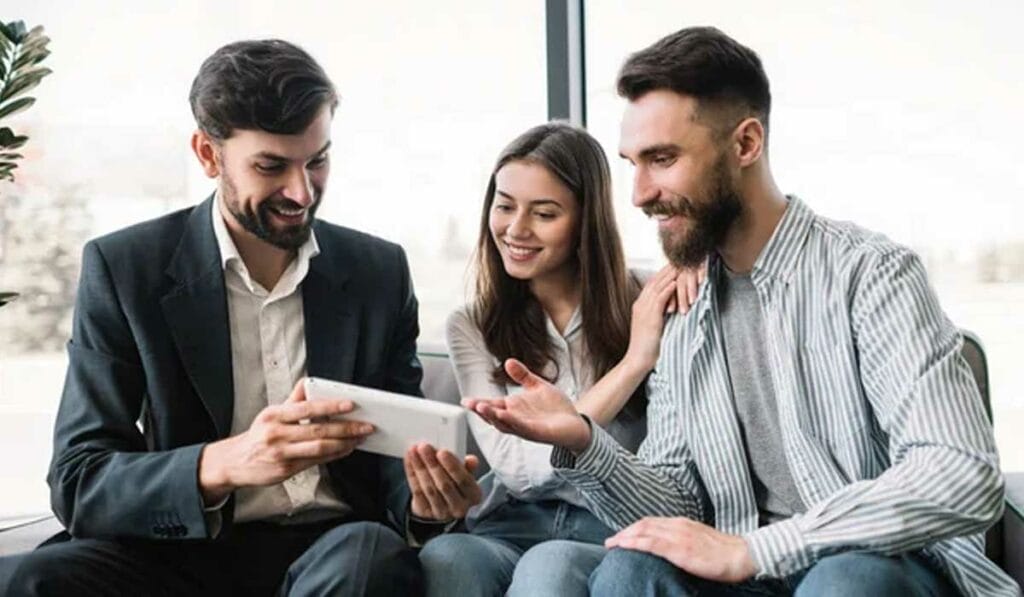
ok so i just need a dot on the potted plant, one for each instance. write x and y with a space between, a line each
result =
21 52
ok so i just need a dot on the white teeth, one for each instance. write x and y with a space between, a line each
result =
661 217
289 212
520 251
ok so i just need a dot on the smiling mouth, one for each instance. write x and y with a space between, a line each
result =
520 252
288 212
288 215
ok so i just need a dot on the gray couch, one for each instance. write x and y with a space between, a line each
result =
1005 541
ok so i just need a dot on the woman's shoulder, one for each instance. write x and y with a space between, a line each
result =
461 326
460 319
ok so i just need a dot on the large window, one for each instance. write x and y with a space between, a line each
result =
431 91
903 117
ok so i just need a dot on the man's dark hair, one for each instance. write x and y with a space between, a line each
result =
706 64
268 85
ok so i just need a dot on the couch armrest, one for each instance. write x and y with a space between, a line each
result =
1013 527
27 534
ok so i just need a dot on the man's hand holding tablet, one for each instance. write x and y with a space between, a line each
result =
429 436
278 445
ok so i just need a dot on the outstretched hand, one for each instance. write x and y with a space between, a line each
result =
540 413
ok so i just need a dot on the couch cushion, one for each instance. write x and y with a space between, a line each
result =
439 384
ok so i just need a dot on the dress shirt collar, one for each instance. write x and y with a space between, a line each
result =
230 257
778 258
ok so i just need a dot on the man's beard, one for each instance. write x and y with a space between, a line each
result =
710 218
259 222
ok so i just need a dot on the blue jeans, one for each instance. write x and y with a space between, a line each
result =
852 574
522 548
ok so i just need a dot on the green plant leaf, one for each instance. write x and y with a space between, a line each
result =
29 59
6 297
24 81
36 46
34 35
17 142
7 32
16 106
9 140
18 29
10 156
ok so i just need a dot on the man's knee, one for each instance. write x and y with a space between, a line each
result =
859 573
26 574
556 567
78 567
456 552
358 558
628 572
461 563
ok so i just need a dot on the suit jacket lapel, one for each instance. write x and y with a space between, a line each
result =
332 341
332 331
196 311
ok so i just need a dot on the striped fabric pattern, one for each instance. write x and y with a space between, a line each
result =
883 427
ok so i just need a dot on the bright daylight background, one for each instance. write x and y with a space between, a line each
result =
901 116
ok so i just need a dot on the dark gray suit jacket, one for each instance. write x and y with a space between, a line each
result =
151 344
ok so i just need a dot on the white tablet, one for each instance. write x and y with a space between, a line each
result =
400 421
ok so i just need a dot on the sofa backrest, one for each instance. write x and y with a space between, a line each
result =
439 384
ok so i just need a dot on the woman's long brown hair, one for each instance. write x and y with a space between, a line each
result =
509 316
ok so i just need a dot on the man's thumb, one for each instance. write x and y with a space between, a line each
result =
298 392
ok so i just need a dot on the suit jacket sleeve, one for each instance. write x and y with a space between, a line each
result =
103 481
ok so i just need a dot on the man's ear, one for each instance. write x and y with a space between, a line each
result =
748 141
206 150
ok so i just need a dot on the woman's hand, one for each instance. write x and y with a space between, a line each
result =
688 283
540 413
669 290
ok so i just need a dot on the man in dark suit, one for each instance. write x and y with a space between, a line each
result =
186 457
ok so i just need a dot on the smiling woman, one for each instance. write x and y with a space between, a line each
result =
534 222
552 291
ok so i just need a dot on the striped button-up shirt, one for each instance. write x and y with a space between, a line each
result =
882 424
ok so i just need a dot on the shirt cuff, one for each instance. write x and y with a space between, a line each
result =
214 518
594 465
779 549
420 530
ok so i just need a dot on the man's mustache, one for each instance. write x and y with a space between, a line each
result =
678 207
285 203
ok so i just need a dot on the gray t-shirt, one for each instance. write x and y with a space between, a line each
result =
754 397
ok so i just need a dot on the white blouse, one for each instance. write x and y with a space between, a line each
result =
521 468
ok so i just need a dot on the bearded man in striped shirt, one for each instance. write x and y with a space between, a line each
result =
812 427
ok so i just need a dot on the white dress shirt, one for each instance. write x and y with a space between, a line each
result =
268 353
